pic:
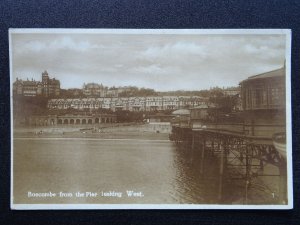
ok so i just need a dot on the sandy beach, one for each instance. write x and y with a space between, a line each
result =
103 131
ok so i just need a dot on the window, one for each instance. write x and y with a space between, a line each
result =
264 97
276 96
258 98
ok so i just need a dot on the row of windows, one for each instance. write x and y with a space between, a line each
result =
76 105
72 121
107 101
263 98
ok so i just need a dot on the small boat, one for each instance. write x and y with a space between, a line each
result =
279 142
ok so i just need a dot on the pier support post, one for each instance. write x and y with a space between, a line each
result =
249 154
221 174
193 146
193 140
202 156
212 147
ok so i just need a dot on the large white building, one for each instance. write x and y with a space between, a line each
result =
153 103
93 89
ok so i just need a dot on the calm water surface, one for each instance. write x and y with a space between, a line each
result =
163 173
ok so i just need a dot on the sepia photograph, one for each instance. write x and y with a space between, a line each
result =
151 119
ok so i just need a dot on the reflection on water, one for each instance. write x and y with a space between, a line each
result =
163 173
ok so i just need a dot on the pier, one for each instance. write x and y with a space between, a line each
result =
243 142
240 157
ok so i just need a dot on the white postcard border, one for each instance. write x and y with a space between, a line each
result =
286 32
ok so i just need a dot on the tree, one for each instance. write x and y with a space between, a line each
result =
224 103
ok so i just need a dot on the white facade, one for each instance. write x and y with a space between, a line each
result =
152 103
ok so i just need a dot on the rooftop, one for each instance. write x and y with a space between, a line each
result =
201 107
274 73
181 112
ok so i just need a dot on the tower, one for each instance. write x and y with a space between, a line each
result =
45 77
45 83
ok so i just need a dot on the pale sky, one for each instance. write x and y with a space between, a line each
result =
164 62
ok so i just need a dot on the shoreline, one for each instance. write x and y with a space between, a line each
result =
118 131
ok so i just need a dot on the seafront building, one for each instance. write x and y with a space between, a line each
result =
47 87
136 104
70 119
93 89
263 103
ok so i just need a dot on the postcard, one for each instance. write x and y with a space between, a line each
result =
151 119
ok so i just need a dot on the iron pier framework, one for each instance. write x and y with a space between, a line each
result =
241 157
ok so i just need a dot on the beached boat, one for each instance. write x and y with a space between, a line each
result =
279 142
